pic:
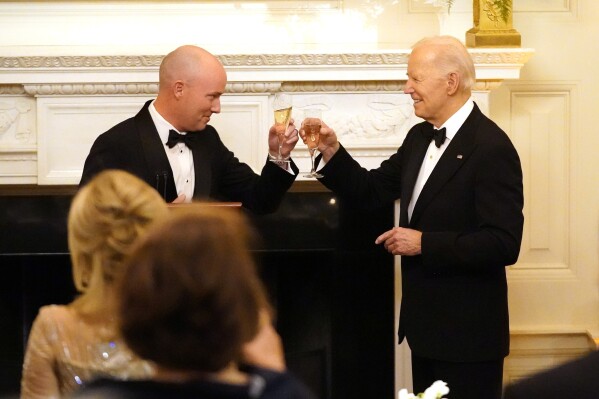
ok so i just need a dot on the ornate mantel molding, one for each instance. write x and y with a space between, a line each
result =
390 65
90 89
95 89
52 107
394 58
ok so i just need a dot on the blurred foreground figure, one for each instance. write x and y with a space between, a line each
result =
574 379
71 344
192 303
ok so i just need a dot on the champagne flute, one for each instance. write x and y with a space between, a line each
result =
282 105
311 126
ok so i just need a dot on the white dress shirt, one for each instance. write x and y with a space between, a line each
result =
452 125
180 156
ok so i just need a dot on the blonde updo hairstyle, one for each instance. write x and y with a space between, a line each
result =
106 217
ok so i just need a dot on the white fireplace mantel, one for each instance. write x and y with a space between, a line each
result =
491 64
53 107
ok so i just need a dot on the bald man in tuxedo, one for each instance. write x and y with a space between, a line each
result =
459 181
170 144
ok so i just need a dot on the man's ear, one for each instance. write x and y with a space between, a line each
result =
178 88
453 83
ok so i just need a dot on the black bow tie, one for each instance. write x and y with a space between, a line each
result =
174 138
438 136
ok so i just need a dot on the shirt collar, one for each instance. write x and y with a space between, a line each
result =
162 125
455 122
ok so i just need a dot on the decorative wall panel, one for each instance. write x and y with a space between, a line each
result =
541 130
68 127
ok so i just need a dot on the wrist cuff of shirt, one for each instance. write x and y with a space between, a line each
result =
282 163
275 158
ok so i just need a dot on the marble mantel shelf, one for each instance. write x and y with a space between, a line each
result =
491 64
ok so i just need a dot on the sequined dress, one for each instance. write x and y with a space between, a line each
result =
64 352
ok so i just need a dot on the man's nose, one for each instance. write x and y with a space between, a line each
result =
216 107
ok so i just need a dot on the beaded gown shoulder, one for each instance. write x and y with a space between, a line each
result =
64 351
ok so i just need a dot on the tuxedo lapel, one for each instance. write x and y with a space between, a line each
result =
159 170
201 166
456 154
417 152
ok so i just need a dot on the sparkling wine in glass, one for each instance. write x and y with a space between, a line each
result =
312 124
282 106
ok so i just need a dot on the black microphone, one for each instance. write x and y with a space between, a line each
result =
165 180
164 176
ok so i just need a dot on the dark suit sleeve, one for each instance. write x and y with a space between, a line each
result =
366 189
233 180
101 156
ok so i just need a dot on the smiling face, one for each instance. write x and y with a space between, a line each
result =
191 83
200 96
428 86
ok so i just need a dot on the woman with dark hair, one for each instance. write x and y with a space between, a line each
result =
192 303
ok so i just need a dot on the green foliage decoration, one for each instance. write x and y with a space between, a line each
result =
503 7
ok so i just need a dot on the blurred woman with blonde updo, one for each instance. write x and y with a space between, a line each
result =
71 344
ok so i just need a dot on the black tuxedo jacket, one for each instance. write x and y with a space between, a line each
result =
574 379
135 146
454 295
